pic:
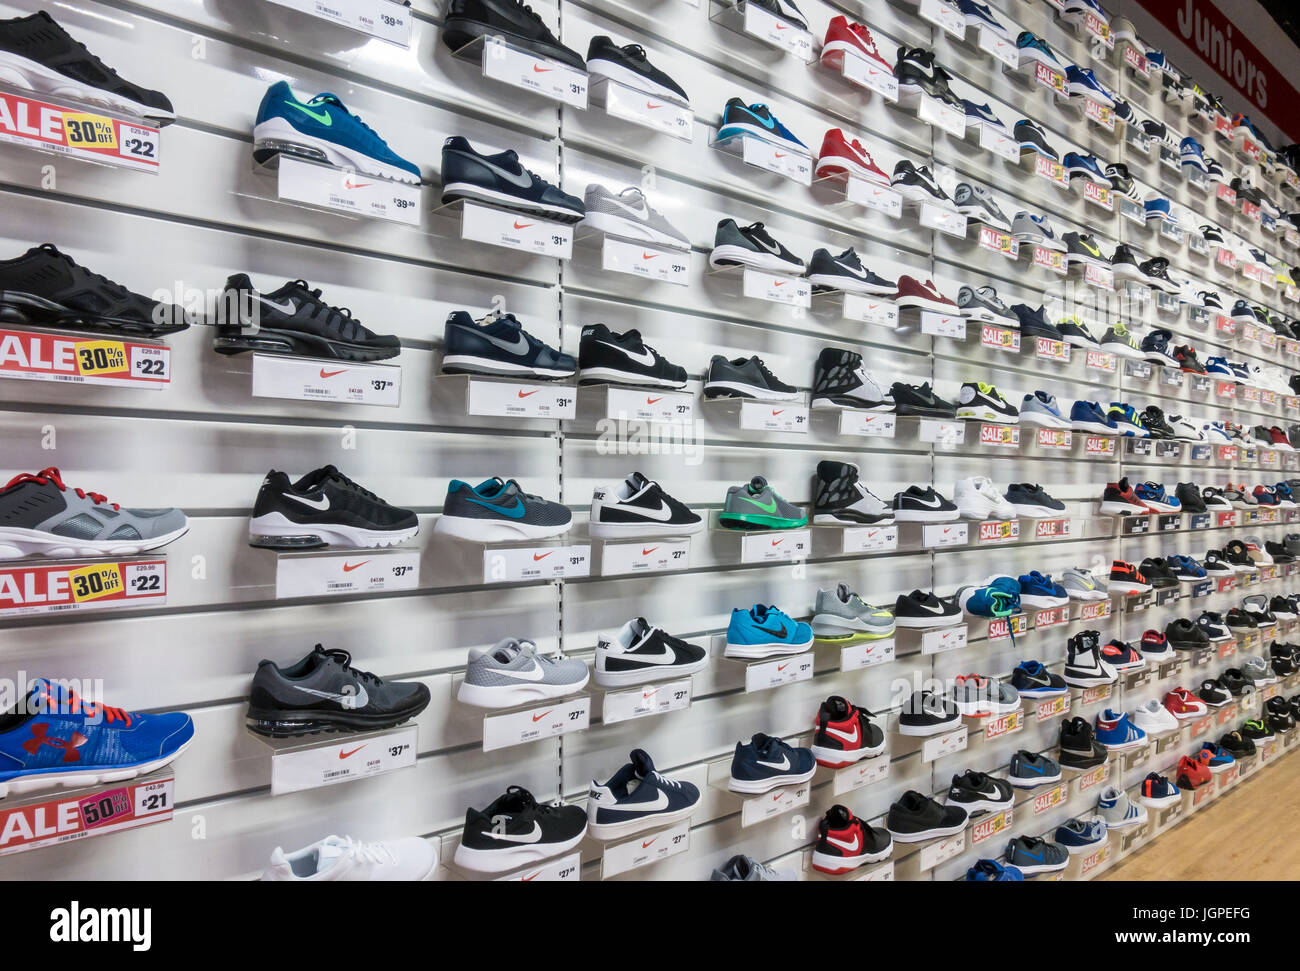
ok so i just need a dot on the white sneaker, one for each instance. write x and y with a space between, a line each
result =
978 498
1184 430
343 858
1154 718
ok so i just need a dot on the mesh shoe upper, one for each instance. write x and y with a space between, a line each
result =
42 502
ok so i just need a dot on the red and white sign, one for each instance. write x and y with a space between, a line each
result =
30 355
1052 529
86 135
81 814
1004 340
40 589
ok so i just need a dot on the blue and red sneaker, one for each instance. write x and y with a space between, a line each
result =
55 739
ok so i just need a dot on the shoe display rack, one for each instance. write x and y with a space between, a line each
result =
209 431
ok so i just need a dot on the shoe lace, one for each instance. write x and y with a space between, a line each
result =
73 705
314 296
340 477
52 477
345 661
112 285
375 852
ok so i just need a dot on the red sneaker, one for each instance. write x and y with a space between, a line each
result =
1126 578
843 37
1192 774
845 842
843 157
845 734
925 296
1119 499
1181 703
1280 440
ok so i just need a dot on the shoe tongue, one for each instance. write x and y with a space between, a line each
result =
838 707
329 853
642 764
326 98
756 485
517 798
843 593
850 257
640 627
838 817
637 481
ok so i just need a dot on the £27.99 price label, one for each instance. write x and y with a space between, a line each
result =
38 124
35 356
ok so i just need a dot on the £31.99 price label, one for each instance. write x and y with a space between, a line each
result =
35 356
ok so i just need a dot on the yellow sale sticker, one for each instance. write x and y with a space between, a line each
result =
101 357
95 581
89 131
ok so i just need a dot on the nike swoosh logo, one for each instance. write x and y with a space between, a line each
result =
322 503
649 256
523 179
542 70
654 401
934 503
348 183
660 802
519 225
321 116
537 718
535 673
767 507
349 567
648 843
534 835
332 374
666 656
284 306
514 512
860 274
773 633
650 105
779 766
348 755
645 552
852 847
933 610
852 739
518 346
541 556
528 394
641 357
358 700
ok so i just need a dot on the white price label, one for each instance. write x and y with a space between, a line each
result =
948 743
856 422
991 42
566 868
773 546
531 234
870 75
943 640
536 563
647 262
533 724
346 574
773 416
645 849
944 16
1000 144
943 325
941 432
343 191
293 770
940 114
639 404
520 399
870 310
650 556
645 700
384 19
779 671
778 32
871 195
791 290
796 166
640 108
859 775
311 379
774 803
945 220
551 79
870 539
867 654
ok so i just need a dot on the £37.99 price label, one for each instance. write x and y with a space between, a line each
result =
38 589
35 356
38 124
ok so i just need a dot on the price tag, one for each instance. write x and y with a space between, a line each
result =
999 144
651 556
541 237
935 535
998 824
533 724
876 197
358 757
870 539
945 220
520 399
384 19
1171 377
520 69
932 854
1100 361
645 700
949 743
1098 195
81 814
647 262
31 588
536 563
945 16
991 42
1054 617
36 356
869 75
643 850
941 432
1004 627
943 325
343 191
790 290
345 574
870 310
1095 695
1171 231
1007 724
1053 172
1098 28
943 640
866 423
796 166
658 114
778 32
1055 796
778 802
859 775
1003 531
867 654
1137 61
1098 610
1226 389
638 404
1101 277
1250 210
999 242
566 868
1051 350
940 114
1000 436
48 127
308 379
1226 194
1131 211
1200 247
1059 438
1050 259
770 416
774 546
778 672
1048 78
1099 113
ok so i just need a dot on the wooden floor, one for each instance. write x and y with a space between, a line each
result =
1261 810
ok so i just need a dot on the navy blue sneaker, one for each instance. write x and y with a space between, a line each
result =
324 130
501 180
54 739
1087 416
1031 855
1078 836
497 511
1040 592
498 344
637 798
992 870
1033 680
1086 166
757 121
765 762
1080 81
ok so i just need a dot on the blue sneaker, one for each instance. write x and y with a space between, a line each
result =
1127 421
637 798
498 344
765 632
992 870
1030 855
1033 680
1215 758
325 130
1190 152
1081 81
1185 568
1041 592
1078 836
1156 59
758 121
979 15
1077 163
1029 770
497 511
1117 733
1154 495
1157 792
1087 416
501 180
765 762
997 597
1219 366
1157 208
1034 48
54 739
982 115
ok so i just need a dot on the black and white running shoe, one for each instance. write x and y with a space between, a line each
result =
516 830
922 610
502 180
498 345
846 273
978 792
752 245
639 507
916 817
605 357
918 184
842 498
746 377
920 400
926 713
917 505
324 693
293 320
639 653
325 508
842 381
978 401
629 66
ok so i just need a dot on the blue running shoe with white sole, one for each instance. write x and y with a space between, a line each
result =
763 631
757 121
324 130
993 871
637 798
54 739
766 762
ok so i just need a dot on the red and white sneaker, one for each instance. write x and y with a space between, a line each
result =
845 842
842 157
844 37
845 734
1122 656
924 296
1182 704
1119 499
1126 578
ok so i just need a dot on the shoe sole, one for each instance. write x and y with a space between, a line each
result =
277 135
759 786
76 779
736 389
24 73
641 824
647 674
469 192
771 649
264 532
826 863
275 724
494 530
18 307
609 375
601 70
473 364
510 695
276 340
624 227
512 857
649 528
731 254
834 758
16 543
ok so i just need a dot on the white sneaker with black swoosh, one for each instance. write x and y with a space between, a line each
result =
639 653
511 672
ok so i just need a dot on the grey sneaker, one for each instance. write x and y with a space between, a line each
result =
43 516
976 202
842 615
1082 585
977 695
1031 855
756 505
746 377
985 305
628 216
746 868
1032 228
511 672
1258 670
751 245
1041 408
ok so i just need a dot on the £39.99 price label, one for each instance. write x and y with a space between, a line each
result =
40 125
36 356
38 589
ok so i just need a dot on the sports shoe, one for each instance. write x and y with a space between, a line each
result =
919 400
44 517
1118 811
786 10
516 830
841 616
1082 585
976 203
845 273
1032 138
324 130
628 215
1214 693
1153 496
47 288
844 36
918 505
1031 501
1127 579
752 245
1121 656
323 692
1042 408
983 304
977 792
1075 333
757 121
343 858
844 734
1211 624
1184 705
1121 499
1031 855
605 357
845 842
1190 498
842 157
1040 592
764 631
978 498
992 871
1079 748
999 596
923 296
1236 743
1154 718
919 610
1155 273
1033 680
325 508
1157 792
1033 48
1214 758
841 381
496 511
1078 836
1080 165
1157 573
497 344
1183 635
1128 422
978 401
975 695
1030 769
1256 730
1118 340
843 499
1088 416
926 713
1084 666
1082 82
637 798
746 869
1156 347
628 65
914 818
757 506
512 21
639 653
638 506
766 762
1034 322
1192 773
746 377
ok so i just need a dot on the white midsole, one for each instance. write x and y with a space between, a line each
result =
644 675
926 623
840 757
335 534
509 695
730 253
279 130
986 413
925 516
928 834
848 284
16 542
502 367
753 391
767 785
626 227
840 864
925 731
511 856
1039 418
743 129
89 776
493 530
649 528
467 190
615 376
598 69
24 73
1034 783
630 827
765 650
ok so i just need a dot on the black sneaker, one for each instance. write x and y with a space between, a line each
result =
1239 620
1031 136
978 401
511 20
293 320
1278 551
1183 635
1032 501
639 653
1257 730
1187 360
502 181
605 357
845 273
498 345
1157 347
1186 569
516 830
1189 495
917 505
1034 322
628 65
1237 745
916 70
1153 419
842 381
325 508
917 184
1079 748
842 498
1155 273
36 47
1083 248
46 288
1236 554
1029 770
324 693
1211 624
1120 179
921 610
1075 333
1235 680
916 817
844 734
1124 264
746 377
978 792
639 506
920 400
1283 607
1157 573
1214 693
752 245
